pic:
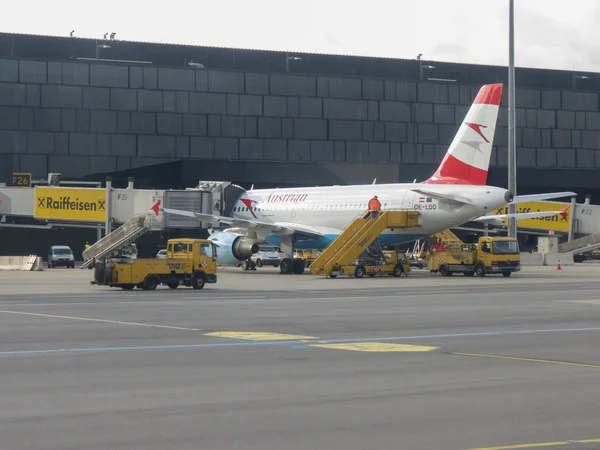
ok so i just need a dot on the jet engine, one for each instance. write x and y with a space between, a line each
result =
233 247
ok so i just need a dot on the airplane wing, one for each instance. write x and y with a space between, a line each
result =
275 228
446 197
538 197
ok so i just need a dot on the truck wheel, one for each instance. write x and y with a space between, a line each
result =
479 270
468 274
259 262
444 271
150 284
173 285
398 270
359 272
506 274
287 266
128 287
198 280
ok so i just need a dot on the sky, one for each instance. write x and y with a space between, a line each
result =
549 34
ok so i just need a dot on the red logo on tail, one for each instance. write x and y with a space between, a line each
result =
477 128
563 213
155 207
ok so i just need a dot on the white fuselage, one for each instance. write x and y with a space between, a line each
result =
331 209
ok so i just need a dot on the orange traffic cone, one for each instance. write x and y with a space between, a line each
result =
558 267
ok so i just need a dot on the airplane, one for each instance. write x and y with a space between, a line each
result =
312 217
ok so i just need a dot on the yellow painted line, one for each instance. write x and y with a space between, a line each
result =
541 444
376 347
515 358
257 336
87 319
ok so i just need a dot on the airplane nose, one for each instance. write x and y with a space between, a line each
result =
508 196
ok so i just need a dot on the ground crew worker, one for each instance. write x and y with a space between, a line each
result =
87 245
374 207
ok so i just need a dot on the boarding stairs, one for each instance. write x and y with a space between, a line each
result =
358 237
581 245
124 235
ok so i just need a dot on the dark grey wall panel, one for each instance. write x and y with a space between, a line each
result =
378 131
287 128
275 106
586 159
425 153
150 78
62 96
592 121
147 100
251 105
527 98
32 72
379 151
446 134
531 118
136 77
406 91
453 95
257 83
345 109
579 101
368 132
176 79
26 119
532 137
432 93
232 82
36 164
169 101
9 118
61 143
233 104
251 149
423 113
226 148
372 89
143 123
182 147
443 114
428 133
195 125
251 125
54 72
40 142
322 87
526 157
566 158
295 85
293 107
232 126
373 110
12 141
214 125
321 150
298 150
580 120
104 122
275 149
546 157
269 127
183 102
395 132
357 151
208 103
108 76
103 144
70 166
156 146
308 128
201 80
127 100
96 98
590 139
33 93
345 88
46 119
78 74
123 145
546 119
103 164
576 138
171 124
311 107
565 119
13 94
394 112
561 139
551 100
9 70
82 144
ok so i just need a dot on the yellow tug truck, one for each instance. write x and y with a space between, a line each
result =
189 262
491 255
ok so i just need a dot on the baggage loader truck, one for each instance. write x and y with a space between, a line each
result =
189 262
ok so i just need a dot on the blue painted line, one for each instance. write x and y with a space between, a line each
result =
294 344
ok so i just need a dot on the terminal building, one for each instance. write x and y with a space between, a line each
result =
171 115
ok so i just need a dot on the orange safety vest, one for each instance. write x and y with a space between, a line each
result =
374 205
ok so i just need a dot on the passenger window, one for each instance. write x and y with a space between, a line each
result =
206 250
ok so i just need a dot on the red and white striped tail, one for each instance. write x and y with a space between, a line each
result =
468 158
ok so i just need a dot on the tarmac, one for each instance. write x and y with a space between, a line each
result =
266 361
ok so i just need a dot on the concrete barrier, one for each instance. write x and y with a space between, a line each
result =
24 263
546 259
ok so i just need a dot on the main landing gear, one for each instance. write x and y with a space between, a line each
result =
294 266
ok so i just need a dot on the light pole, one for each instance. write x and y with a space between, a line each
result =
512 141
421 66
288 59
